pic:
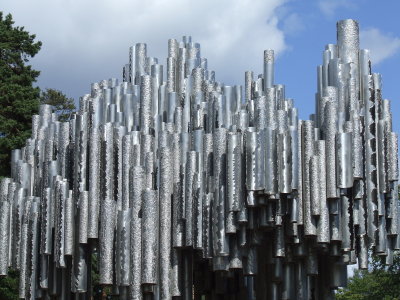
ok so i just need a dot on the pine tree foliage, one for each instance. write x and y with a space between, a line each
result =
18 98
62 105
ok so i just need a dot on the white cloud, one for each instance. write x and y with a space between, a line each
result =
381 45
86 41
329 7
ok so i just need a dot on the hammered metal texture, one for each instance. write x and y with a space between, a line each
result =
186 187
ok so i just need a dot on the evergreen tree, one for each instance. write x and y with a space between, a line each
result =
18 98
62 105
9 286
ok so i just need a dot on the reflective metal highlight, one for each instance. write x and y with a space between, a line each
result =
191 189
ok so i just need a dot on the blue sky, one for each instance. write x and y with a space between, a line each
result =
87 41
313 26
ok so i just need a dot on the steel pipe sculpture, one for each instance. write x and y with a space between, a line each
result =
189 189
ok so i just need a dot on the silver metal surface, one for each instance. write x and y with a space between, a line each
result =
186 187
150 225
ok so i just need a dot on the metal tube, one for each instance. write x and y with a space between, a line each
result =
182 182
150 244
4 226
268 69
136 184
165 195
308 150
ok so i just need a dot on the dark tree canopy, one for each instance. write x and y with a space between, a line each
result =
9 286
18 98
381 282
62 105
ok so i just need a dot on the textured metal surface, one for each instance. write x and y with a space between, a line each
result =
308 151
187 187
150 225
165 198
4 225
135 201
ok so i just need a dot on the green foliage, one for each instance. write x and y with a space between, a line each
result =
95 272
18 98
382 282
9 286
62 105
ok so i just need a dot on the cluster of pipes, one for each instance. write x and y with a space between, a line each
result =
187 188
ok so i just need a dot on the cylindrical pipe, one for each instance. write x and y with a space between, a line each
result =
149 237
268 69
